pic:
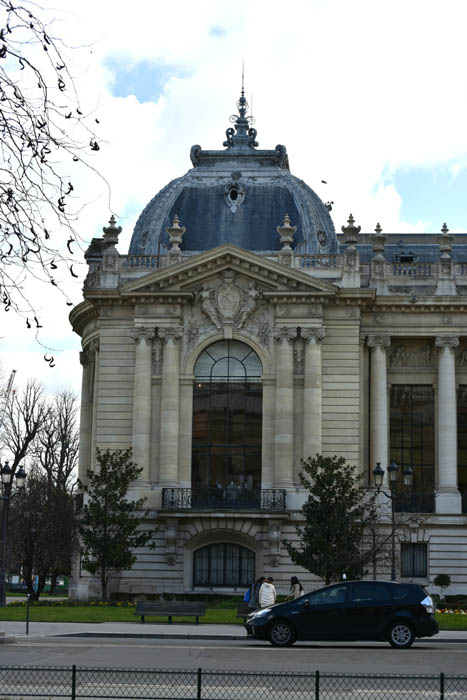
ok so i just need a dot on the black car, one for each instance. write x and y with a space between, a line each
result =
349 611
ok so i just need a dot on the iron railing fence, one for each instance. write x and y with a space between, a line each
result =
415 502
200 498
161 684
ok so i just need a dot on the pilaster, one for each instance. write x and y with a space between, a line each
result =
448 498
170 405
142 399
284 337
379 423
312 392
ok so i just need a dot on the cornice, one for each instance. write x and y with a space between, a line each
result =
424 305
81 315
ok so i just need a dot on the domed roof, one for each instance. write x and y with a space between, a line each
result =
238 195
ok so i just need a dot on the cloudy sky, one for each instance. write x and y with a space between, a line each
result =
368 95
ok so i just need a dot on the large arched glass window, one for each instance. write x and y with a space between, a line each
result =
223 564
227 417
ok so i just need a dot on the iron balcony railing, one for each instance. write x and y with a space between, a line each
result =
228 498
415 502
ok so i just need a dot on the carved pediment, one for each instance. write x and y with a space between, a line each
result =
185 277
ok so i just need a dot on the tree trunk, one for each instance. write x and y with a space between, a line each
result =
104 587
53 582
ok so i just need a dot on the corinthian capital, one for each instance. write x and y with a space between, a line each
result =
84 358
93 346
142 333
447 341
281 333
314 335
380 341
172 333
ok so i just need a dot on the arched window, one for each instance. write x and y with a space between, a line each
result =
223 564
227 417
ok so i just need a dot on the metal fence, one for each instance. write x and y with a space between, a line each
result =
84 682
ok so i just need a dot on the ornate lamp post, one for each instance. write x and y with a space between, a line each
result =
6 474
378 474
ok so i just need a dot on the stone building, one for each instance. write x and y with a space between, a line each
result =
240 334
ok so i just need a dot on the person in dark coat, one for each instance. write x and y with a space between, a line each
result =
253 603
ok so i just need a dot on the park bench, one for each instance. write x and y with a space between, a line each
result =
171 608
243 610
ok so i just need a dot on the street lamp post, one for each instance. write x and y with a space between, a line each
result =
6 475
378 474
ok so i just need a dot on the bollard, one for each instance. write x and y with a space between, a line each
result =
27 614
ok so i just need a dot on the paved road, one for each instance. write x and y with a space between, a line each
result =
428 656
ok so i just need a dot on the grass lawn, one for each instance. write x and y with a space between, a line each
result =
214 615
94 613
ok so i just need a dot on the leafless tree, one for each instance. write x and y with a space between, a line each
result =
41 521
25 415
44 137
57 442
41 531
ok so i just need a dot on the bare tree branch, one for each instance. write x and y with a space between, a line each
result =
44 137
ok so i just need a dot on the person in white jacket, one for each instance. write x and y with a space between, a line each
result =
267 593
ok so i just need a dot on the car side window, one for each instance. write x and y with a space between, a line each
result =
329 596
369 591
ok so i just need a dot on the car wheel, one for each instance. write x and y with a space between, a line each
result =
401 635
281 634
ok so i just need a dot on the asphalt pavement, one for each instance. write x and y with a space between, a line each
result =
152 630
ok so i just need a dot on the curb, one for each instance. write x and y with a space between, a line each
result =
117 635
220 637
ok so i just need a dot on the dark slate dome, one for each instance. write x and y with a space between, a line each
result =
239 195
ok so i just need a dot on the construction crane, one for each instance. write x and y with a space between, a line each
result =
6 396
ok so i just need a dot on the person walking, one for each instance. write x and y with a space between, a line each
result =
296 589
253 603
267 593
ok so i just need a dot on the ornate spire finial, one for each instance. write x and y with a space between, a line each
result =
286 233
175 237
112 231
378 229
243 136
445 243
351 231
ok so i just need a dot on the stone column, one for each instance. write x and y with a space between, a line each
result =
186 431
448 498
284 451
379 423
312 392
94 349
268 446
85 424
142 399
170 406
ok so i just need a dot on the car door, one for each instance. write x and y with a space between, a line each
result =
370 609
322 614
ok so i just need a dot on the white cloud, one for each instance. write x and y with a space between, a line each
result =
354 90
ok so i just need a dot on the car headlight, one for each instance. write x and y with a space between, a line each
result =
262 612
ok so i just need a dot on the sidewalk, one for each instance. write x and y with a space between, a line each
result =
129 630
